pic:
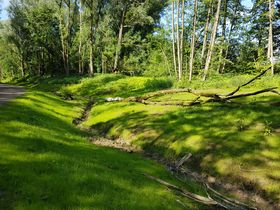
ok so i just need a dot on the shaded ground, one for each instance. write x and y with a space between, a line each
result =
8 92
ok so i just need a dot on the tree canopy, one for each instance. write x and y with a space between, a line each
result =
150 37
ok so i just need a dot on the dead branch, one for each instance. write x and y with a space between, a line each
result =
276 92
192 196
250 94
227 203
229 200
212 97
142 99
247 83
183 160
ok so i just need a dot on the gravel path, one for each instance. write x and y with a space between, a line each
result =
8 92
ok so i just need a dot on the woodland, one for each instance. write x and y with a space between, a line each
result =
140 104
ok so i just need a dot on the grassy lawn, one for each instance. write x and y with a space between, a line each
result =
239 143
47 163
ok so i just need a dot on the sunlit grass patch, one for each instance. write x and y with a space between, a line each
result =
221 137
47 163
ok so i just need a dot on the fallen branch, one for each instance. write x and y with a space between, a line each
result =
275 91
212 97
250 94
247 83
183 160
230 201
192 196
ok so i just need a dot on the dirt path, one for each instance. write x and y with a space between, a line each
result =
8 92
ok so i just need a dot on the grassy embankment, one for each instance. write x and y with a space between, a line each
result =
47 163
238 142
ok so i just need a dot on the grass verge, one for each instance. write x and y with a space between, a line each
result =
238 143
47 163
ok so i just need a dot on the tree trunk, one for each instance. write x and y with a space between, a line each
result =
166 61
206 30
63 52
212 42
270 39
80 39
229 38
68 38
22 66
62 39
91 46
178 41
119 45
182 35
173 39
222 52
193 40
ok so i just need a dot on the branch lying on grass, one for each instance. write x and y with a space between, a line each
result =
192 196
212 97
247 83
183 160
275 91
220 200
226 202
251 94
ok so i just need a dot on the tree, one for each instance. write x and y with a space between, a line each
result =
193 40
206 29
212 42
270 36
173 38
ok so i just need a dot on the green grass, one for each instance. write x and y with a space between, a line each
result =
238 142
47 163
115 85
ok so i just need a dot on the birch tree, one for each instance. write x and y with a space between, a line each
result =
212 42
193 40
173 38
270 36
206 31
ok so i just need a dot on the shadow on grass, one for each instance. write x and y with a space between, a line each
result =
46 163
222 138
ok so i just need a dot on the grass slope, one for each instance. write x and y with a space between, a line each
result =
47 163
240 143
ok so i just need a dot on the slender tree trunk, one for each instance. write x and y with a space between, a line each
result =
173 38
229 38
119 45
22 66
80 39
212 42
270 39
91 46
222 52
178 41
68 37
182 35
166 61
206 31
193 40
62 38
63 52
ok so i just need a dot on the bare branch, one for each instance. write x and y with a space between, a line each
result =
247 83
